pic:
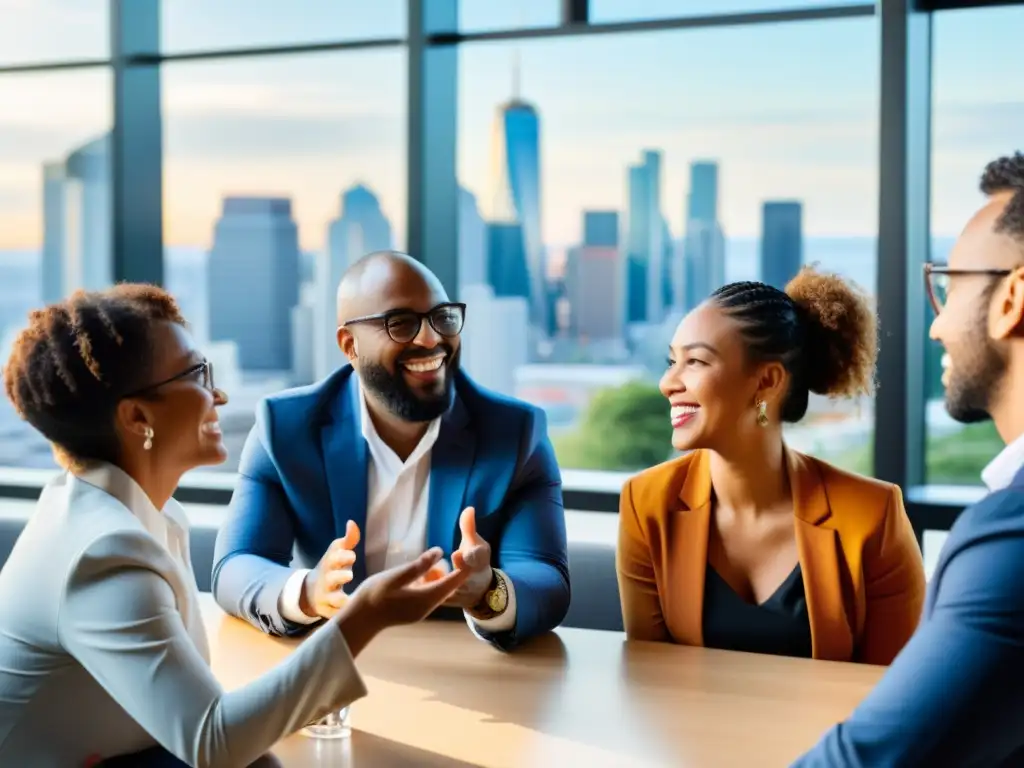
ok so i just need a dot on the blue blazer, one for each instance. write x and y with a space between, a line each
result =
303 475
955 694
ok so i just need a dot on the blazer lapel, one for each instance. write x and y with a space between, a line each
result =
345 465
686 554
451 461
818 549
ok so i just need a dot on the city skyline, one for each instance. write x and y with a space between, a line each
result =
286 126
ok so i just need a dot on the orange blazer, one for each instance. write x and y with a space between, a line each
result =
862 567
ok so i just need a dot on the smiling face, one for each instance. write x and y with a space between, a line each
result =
181 412
974 364
403 360
710 384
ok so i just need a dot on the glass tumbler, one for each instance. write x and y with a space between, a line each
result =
334 725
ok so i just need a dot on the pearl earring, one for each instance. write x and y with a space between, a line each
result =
148 444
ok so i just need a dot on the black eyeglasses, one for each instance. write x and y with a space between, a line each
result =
204 368
936 279
403 325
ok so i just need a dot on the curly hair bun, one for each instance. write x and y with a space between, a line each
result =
841 342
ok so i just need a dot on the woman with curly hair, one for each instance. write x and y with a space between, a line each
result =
103 654
743 543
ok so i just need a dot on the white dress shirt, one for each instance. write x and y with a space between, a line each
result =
102 646
398 496
1003 468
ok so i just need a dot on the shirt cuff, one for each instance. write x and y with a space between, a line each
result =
504 621
288 602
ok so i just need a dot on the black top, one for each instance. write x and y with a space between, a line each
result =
779 626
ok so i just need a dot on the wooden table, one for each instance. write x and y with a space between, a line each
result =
579 698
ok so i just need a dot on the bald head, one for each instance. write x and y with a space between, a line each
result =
386 280
400 332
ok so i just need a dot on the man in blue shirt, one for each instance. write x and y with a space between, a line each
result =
955 694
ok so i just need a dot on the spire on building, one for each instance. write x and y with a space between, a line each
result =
516 76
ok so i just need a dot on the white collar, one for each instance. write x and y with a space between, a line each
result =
1003 468
380 450
119 484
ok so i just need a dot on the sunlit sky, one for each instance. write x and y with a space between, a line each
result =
789 110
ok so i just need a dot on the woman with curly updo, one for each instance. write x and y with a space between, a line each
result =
743 543
103 655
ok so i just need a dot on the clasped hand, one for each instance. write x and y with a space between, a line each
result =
323 589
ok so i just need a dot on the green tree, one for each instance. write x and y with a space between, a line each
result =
956 458
625 428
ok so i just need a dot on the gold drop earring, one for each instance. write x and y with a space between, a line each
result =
762 413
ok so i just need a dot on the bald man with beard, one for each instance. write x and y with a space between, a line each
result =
396 452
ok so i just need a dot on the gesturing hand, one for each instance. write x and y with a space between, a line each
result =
400 595
474 556
322 593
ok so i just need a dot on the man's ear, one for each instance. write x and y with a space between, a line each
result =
1006 313
347 343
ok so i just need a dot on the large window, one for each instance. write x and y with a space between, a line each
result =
54 210
278 173
977 117
608 182
603 200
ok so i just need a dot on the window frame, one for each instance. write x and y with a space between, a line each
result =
432 42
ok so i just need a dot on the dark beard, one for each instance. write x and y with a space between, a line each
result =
399 398
974 382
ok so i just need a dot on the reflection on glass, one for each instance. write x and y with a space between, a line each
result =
602 202
54 210
972 125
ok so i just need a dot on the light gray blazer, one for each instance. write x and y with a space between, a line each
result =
102 646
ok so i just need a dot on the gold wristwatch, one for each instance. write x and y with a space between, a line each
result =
495 599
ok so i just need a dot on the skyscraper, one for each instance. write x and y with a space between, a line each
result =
601 228
702 202
594 278
360 228
253 280
703 266
76 221
507 270
782 241
515 191
473 264
645 242
303 335
495 340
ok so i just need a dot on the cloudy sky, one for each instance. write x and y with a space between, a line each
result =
788 110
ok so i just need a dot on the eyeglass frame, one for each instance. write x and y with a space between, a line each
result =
941 269
206 367
385 318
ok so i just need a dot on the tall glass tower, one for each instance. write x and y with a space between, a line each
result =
645 242
515 190
704 247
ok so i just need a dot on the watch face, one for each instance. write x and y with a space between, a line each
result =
496 599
